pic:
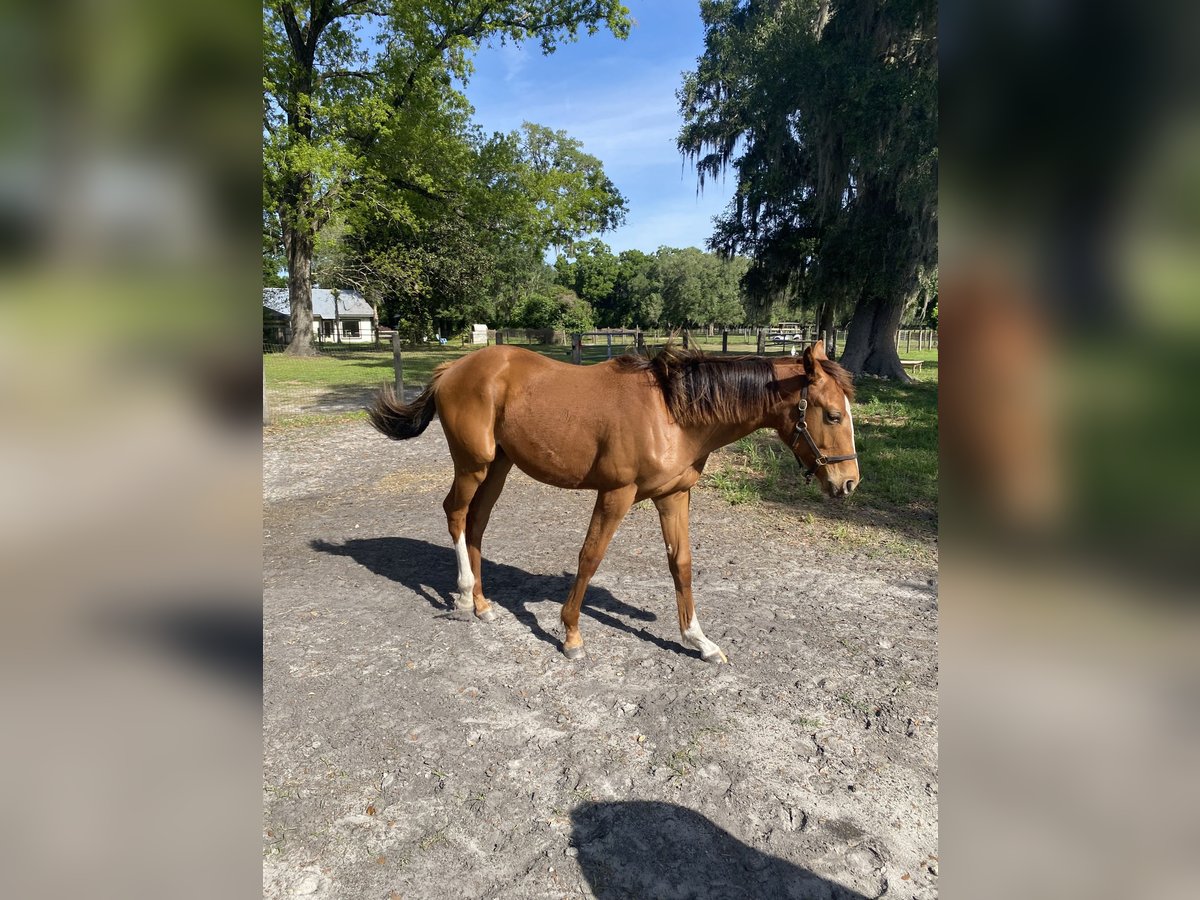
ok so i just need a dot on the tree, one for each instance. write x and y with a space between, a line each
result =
721 294
595 272
475 254
636 298
537 189
358 95
827 112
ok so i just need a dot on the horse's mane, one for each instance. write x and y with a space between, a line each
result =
841 377
701 390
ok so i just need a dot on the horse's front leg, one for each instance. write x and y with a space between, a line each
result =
673 515
611 507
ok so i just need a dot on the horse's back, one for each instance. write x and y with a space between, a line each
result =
567 425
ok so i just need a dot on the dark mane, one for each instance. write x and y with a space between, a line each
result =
701 390
841 377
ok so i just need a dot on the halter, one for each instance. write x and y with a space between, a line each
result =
820 460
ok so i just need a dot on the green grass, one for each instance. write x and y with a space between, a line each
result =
371 368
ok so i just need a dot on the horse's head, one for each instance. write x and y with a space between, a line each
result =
817 423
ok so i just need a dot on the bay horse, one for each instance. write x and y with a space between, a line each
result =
629 429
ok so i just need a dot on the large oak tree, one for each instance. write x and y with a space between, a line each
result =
826 110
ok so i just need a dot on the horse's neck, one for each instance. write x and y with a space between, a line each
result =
716 435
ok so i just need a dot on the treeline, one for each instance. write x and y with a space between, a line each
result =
596 288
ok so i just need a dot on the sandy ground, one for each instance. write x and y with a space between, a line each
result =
411 754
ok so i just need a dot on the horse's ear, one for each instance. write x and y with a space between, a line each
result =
811 365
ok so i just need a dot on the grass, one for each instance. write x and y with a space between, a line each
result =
367 368
308 420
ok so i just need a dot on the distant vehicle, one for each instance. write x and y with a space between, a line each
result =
786 338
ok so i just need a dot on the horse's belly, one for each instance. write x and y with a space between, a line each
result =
566 457
549 457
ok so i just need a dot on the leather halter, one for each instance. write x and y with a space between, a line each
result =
820 460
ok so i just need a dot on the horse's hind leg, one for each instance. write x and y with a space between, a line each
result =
477 520
611 507
673 516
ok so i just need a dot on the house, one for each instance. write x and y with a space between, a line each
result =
277 326
338 316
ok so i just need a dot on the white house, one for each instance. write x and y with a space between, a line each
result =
337 315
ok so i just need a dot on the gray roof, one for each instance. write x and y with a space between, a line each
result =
350 303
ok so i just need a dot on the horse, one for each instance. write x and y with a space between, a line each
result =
630 429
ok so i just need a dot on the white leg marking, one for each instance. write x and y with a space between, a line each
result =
694 637
466 580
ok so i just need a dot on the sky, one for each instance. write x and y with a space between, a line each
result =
618 99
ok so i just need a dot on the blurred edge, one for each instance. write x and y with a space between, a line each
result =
130 508
130 520
1070 209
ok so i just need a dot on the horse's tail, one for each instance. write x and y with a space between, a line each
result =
401 421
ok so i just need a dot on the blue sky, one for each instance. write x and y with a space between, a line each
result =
618 98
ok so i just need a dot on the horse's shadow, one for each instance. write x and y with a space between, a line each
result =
430 571
653 849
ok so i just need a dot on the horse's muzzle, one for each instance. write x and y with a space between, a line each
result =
845 489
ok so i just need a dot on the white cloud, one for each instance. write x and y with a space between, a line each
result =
515 60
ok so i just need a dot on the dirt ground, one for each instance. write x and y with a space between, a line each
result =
411 754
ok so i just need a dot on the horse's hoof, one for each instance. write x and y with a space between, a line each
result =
462 613
574 652
488 615
718 658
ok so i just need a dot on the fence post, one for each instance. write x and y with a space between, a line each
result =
398 365
577 349
266 410
609 336
499 337
724 340
762 341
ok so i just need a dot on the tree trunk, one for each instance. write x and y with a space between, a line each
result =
825 330
871 339
299 259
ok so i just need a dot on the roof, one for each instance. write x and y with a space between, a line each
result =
350 303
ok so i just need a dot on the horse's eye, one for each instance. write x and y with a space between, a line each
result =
833 418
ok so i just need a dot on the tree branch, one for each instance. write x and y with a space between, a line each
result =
373 77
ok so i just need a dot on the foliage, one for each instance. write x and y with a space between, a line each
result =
636 298
672 287
827 112
362 121
700 288
594 272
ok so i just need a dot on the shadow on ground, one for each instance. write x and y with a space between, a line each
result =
651 849
430 571
220 636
